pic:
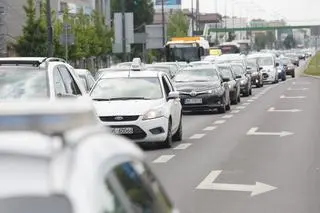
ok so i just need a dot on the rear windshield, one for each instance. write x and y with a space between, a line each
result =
32 204
22 83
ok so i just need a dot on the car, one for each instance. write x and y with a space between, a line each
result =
110 69
232 58
201 88
200 63
243 78
294 58
281 70
267 62
141 105
288 66
38 78
58 157
171 70
86 78
255 72
234 86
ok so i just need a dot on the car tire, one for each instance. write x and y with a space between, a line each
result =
250 92
293 75
228 107
239 99
168 142
284 78
222 109
178 135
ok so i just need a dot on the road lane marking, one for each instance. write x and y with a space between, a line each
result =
254 98
182 146
292 97
219 122
209 128
163 159
298 89
272 109
246 104
227 116
256 189
254 131
235 111
197 136
301 83
240 107
250 100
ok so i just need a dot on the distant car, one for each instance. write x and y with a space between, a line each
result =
254 70
140 105
86 78
294 58
234 86
243 78
288 66
232 58
200 63
170 70
201 88
281 70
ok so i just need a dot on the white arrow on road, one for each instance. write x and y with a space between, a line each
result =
297 89
208 184
254 131
272 109
292 97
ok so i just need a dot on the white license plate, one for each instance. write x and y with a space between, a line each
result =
123 131
193 101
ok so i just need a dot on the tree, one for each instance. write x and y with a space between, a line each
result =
177 25
33 41
260 41
143 11
270 38
231 36
289 42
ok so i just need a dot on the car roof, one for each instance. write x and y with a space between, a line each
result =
128 74
256 55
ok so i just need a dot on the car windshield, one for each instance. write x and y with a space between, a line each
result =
204 74
127 88
237 70
285 61
31 204
165 69
225 72
22 83
265 61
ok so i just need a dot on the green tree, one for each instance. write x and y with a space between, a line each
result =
231 36
33 41
143 11
177 25
260 41
289 42
270 38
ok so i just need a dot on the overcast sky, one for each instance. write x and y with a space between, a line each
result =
296 12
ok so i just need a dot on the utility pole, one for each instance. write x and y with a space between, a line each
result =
124 43
3 48
163 24
192 19
50 39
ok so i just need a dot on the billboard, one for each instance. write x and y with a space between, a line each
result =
168 4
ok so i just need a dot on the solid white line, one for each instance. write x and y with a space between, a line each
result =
227 116
219 121
246 104
297 89
209 128
197 136
235 111
240 107
182 146
163 159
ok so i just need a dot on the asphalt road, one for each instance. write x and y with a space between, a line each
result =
263 156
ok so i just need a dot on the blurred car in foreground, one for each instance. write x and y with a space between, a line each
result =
86 78
34 78
56 157
141 105
201 88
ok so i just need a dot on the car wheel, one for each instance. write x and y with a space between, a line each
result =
234 101
222 109
250 92
284 78
228 107
239 99
168 142
178 135
293 74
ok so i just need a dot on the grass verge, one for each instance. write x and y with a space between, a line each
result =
313 66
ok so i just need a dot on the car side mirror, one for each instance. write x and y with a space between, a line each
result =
260 68
248 72
238 76
173 95
249 68
225 79
277 64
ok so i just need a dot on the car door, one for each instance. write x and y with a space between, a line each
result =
176 105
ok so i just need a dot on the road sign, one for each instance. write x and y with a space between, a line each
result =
66 39
118 36
256 189
272 109
155 36
254 131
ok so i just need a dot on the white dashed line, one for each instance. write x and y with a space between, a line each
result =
254 98
219 121
182 146
301 83
250 100
235 111
246 104
163 159
209 128
227 116
197 136
240 107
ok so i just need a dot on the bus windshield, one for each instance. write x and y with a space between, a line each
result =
183 52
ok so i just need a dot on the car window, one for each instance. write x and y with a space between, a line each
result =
84 81
226 72
142 189
91 81
169 83
166 86
237 70
59 86
71 86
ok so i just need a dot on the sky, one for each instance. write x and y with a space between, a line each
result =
293 11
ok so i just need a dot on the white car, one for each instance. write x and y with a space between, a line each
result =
86 78
267 61
37 78
56 157
141 105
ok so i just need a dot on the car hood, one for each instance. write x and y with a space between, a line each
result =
195 86
267 68
128 107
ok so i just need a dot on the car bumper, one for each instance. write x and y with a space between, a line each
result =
289 71
244 88
208 102
153 130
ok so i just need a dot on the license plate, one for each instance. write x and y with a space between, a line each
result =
122 131
193 101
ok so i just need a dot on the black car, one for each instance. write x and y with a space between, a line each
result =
243 78
202 89
234 85
288 66
254 71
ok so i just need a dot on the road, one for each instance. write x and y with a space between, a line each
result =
263 156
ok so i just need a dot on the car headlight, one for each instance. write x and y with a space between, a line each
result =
279 70
208 91
243 82
218 91
254 73
153 113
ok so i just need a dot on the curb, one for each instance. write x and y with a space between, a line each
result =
310 76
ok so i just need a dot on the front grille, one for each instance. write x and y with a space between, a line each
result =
138 133
119 118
